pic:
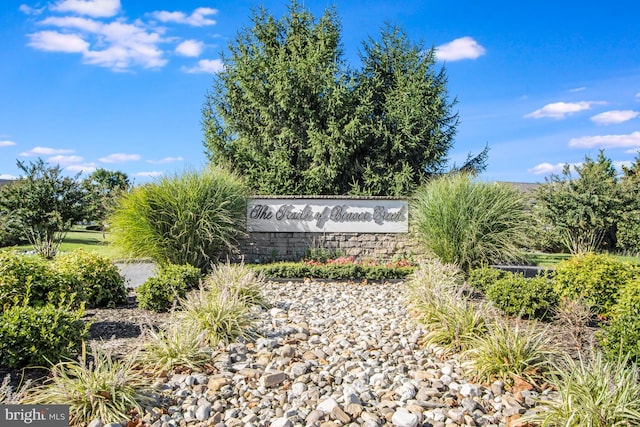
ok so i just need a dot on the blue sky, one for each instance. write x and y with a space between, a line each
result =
119 84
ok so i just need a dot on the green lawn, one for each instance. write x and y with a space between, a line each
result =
78 237
550 260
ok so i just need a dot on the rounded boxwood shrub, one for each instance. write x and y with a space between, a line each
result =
30 280
39 336
160 293
595 278
622 335
483 277
102 283
185 273
517 295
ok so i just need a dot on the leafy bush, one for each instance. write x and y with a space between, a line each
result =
187 274
160 293
193 218
595 393
222 318
238 281
507 352
595 278
517 295
37 336
621 337
468 222
482 277
102 283
31 281
628 232
332 271
102 388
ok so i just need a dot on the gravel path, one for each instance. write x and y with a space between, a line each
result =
333 354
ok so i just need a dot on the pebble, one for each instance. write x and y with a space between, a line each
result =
333 354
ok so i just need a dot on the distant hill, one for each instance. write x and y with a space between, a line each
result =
5 182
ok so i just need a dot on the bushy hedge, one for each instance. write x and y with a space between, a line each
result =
39 336
185 273
482 277
160 293
622 335
31 280
332 271
192 218
517 295
102 283
595 278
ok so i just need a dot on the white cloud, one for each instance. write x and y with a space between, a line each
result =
95 8
458 49
638 96
150 174
559 110
578 89
607 141
28 10
83 168
205 66
64 160
618 164
116 45
7 176
7 143
165 160
548 168
192 48
120 158
614 117
45 151
54 41
198 17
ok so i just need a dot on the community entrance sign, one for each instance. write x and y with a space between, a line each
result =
328 215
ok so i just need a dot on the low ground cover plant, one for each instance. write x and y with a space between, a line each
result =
339 268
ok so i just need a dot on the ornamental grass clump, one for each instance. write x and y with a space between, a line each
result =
181 345
442 305
469 222
507 352
596 393
95 387
238 281
191 218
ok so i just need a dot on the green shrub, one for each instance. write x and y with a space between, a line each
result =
37 336
482 277
595 278
628 232
160 293
193 218
599 393
102 388
187 274
469 222
102 283
621 337
517 295
30 280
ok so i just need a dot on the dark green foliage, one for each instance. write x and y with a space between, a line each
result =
160 293
103 187
44 203
192 218
287 112
102 283
583 209
482 277
517 295
621 337
32 281
187 274
39 336
628 228
331 271
468 222
594 278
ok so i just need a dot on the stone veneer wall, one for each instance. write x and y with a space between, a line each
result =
263 247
